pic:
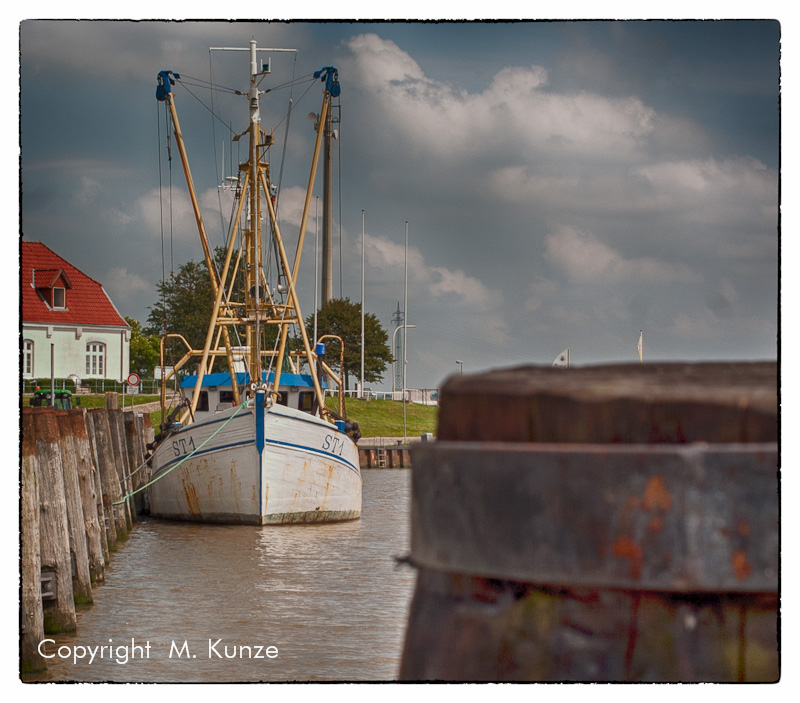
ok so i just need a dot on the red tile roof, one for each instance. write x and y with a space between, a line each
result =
86 301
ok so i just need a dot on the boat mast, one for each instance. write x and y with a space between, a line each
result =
253 231
259 308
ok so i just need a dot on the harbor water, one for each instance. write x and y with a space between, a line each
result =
214 603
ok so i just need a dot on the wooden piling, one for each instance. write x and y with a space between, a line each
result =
134 437
98 487
81 579
119 443
88 491
59 612
31 616
116 523
72 464
598 524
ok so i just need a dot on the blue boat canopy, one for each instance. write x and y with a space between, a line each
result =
223 378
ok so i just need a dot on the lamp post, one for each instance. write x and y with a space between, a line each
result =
361 387
460 367
405 326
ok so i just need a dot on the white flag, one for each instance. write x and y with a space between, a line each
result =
562 360
640 346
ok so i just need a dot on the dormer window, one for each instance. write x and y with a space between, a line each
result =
52 284
59 298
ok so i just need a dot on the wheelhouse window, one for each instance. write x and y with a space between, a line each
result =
95 359
306 401
27 357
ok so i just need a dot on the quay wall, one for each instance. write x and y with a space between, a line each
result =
80 470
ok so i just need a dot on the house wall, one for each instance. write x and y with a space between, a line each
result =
70 350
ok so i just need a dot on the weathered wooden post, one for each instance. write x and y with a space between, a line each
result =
88 489
59 608
134 437
120 445
116 524
112 400
98 486
81 579
32 624
612 523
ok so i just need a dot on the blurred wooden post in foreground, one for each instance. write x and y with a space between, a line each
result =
615 523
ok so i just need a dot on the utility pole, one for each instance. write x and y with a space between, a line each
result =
397 321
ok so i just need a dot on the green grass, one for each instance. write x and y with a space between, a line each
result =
98 400
375 418
384 418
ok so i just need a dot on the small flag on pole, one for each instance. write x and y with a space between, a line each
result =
640 346
562 360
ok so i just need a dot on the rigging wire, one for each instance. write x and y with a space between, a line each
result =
220 176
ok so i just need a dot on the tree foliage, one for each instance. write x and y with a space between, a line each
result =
185 304
144 349
342 318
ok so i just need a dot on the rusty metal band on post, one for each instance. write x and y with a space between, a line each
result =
683 518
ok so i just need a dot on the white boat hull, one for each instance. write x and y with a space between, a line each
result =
261 466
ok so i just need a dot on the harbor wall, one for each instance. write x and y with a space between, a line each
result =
80 471
595 524
384 457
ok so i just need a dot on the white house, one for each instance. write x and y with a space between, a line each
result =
65 310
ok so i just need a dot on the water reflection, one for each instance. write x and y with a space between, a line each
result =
329 598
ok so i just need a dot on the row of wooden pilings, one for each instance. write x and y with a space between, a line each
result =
384 457
79 473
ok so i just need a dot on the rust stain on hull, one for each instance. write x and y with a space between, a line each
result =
192 501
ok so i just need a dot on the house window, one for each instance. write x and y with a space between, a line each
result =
27 357
95 359
59 298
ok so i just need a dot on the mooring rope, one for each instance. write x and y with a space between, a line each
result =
188 456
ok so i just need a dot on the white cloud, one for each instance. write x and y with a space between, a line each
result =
586 259
468 304
121 284
514 112
732 190
174 217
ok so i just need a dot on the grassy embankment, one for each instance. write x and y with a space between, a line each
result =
384 418
376 418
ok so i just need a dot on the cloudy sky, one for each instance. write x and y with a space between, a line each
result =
566 184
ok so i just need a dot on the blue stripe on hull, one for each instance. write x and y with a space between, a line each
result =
202 452
319 452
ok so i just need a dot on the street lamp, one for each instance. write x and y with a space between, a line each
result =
461 367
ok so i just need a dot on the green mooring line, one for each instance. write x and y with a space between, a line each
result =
188 456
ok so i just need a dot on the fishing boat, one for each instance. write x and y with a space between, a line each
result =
255 444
